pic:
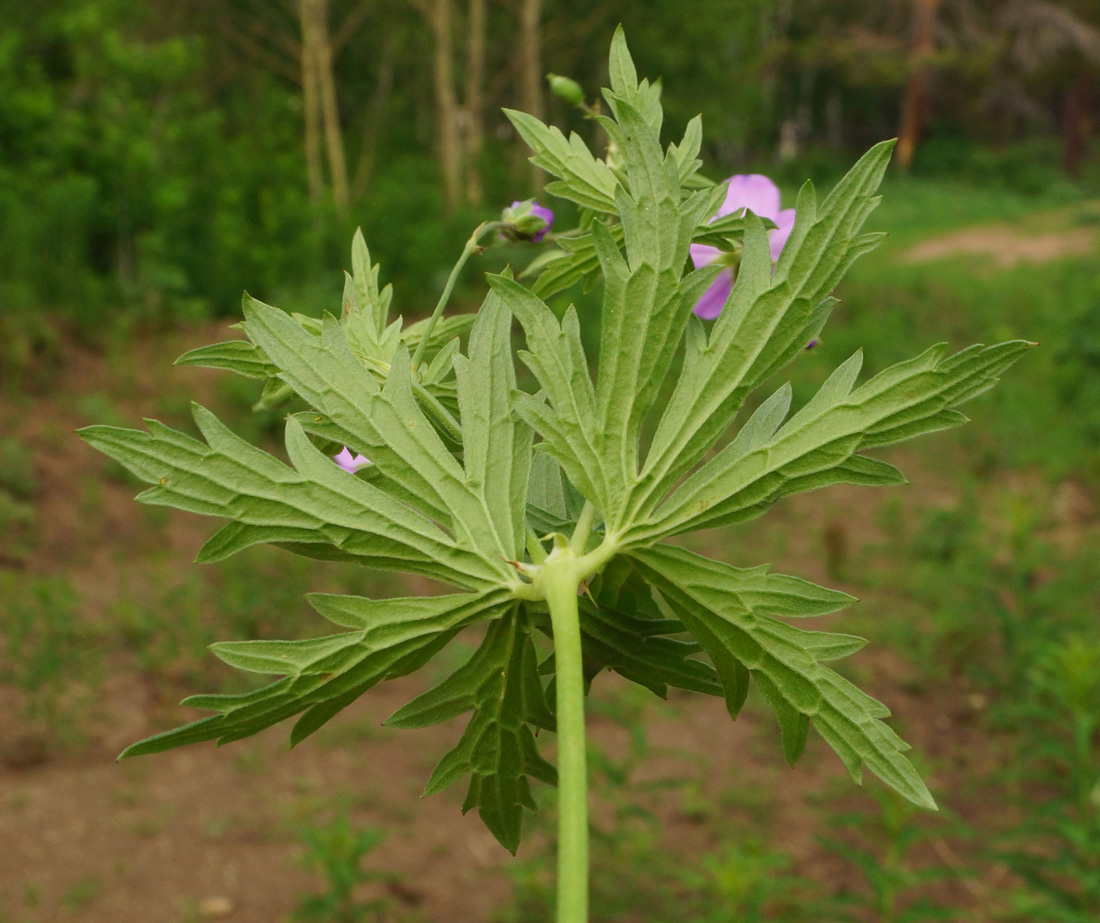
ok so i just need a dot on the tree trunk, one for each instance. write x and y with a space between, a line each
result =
438 14
530 68
311 110
474 121
1076 124
914 110
317 58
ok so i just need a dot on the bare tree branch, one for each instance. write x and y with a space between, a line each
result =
376 114
249 46
277 37
1043 29
347 29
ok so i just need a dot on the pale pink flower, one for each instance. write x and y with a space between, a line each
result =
350 463
761 196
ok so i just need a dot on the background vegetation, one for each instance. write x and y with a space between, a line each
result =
156 159
167 156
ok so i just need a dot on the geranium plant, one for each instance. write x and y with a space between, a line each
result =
551 513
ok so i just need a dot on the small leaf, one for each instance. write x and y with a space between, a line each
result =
582 178
686 152
636 648
557 358
501 684
721 231
546 491
238 356
646 99
579 263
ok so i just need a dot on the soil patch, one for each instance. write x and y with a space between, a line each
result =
1005 246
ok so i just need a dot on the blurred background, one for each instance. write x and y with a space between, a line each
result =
158 159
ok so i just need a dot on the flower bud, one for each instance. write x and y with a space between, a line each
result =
566 89
526 221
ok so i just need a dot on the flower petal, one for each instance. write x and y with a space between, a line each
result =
350 463
753 191
714 298
701 254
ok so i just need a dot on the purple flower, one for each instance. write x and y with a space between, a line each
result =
761 196
526 221
350 463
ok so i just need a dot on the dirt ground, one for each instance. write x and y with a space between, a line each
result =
1045 239
211 834
1005 247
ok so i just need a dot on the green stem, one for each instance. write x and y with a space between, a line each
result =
471 248
579 540
561 596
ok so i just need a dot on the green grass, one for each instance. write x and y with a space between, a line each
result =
1046 413
917 207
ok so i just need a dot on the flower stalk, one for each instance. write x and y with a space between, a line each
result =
473 246
560 585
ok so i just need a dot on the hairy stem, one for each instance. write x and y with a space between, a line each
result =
560 587
472 247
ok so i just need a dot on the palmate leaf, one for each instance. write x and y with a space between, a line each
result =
767 321
313 503
818 445
593 431
321 676
500 683
417 508
732 624
385 424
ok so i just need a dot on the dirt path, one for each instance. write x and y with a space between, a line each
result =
1045 239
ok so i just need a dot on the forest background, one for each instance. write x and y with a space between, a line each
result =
167 156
